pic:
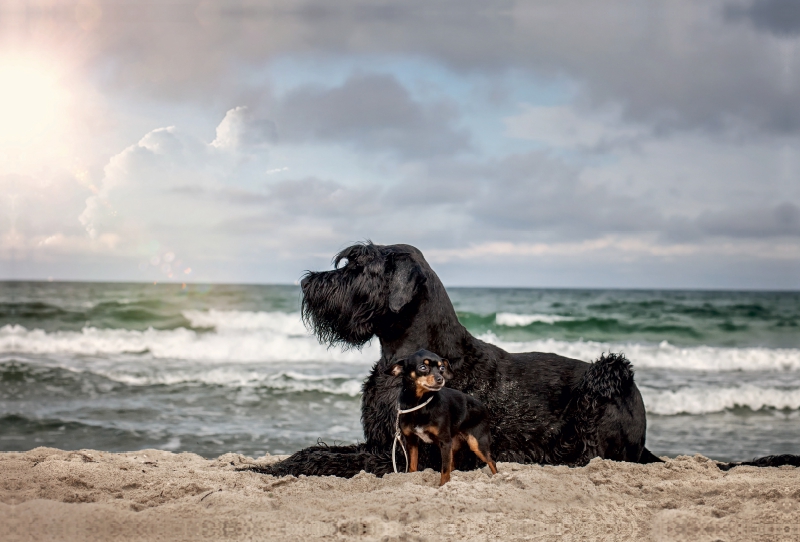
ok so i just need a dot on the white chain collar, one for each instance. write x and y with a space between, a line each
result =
397 437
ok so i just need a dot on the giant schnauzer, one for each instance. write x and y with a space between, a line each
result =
544 408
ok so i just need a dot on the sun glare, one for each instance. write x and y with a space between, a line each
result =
29 101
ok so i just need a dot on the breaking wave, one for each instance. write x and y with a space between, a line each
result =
705 400
520 320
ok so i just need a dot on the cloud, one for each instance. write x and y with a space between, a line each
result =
241 129
372 112
157 190
672 64
780 221
527 195
668 128
778 17
568 128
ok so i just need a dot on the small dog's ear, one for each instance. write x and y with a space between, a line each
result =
395 369
448 372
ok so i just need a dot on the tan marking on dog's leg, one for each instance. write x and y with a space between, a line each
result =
413 457
472 442
447 465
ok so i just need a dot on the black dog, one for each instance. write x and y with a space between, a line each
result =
439 415
544 408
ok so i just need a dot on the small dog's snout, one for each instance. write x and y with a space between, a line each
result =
438 378
304 283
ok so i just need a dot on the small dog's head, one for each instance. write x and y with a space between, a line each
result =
424 370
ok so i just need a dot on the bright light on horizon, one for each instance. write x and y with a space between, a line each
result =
30 100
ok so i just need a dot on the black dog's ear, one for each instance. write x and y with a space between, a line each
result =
403 285
448 372
395 369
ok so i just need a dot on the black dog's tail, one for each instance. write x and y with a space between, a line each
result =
324 460
605 380
608 377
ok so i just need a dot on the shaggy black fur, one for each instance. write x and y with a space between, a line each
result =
544 408
767 461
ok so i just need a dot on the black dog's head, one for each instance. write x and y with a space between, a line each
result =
422 371
375 281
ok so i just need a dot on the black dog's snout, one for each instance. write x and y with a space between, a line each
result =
304 284
439 379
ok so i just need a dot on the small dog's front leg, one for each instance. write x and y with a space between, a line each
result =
413 452
446 447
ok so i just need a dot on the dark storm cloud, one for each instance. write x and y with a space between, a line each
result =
372 112
779 17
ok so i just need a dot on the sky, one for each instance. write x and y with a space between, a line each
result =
607 144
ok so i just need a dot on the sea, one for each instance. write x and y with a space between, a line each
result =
217 368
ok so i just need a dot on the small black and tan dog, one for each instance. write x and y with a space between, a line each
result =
450 418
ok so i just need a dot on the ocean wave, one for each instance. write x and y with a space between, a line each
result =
232 344
242 336
67 377
520 320
666 355
705 400
335 384
281 322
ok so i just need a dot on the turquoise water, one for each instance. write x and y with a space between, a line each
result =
218 368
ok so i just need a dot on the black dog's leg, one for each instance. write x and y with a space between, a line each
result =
323 460
767 461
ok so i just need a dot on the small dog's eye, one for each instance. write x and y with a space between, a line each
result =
422 368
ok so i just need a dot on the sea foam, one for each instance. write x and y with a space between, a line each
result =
704 400
242 336
520 320
231 344
665 355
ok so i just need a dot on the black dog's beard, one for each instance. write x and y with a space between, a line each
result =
340 306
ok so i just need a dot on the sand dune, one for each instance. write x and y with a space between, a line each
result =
50 494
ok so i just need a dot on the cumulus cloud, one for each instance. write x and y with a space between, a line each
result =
240 128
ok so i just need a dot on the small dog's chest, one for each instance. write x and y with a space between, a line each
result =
420 431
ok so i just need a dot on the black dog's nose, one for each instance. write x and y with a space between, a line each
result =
303 284
438 378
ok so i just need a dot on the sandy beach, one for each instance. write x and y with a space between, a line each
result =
50 494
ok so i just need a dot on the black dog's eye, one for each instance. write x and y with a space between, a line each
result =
422 369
